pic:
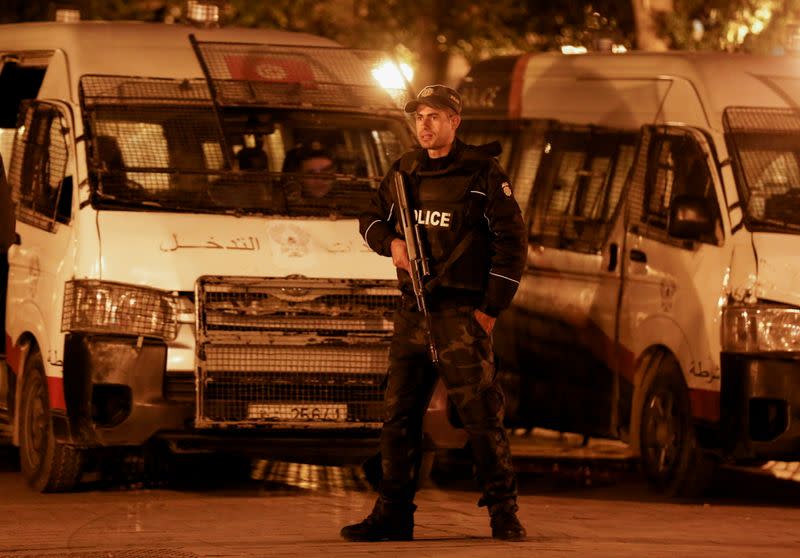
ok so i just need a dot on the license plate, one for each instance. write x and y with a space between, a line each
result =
305 411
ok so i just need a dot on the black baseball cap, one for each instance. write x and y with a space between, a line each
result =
438 96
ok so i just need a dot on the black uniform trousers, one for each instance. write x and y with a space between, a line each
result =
466 366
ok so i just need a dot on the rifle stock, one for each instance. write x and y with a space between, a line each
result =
420 270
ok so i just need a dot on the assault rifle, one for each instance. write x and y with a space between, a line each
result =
420 270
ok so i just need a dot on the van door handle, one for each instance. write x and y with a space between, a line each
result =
17 238
638 256
613 250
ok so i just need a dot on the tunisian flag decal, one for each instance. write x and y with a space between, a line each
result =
254 67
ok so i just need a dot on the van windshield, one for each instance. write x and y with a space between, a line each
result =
766 149
265 161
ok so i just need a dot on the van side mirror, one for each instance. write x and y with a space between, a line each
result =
690 218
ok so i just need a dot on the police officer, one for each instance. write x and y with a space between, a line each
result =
475 238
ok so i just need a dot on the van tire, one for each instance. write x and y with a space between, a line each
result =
672 460
47 465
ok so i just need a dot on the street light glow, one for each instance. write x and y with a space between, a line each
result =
202 12
68 15
393 76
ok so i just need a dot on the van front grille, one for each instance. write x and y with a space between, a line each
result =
293 352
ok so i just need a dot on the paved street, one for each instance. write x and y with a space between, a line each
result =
571 508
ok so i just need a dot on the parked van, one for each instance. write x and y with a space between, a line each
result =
178 270
660 304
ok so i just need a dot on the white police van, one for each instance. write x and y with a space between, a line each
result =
660 304
172 277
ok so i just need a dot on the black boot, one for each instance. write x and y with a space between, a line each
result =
504 522
385 523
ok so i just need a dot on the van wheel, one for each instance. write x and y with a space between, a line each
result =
671 458
47 465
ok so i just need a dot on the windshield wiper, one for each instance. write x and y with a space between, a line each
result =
102 197
151 203
145 205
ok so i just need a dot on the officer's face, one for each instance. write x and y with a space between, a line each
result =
436 127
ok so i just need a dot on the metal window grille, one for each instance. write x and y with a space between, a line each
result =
531 156
123 91
579 187
764 146
636 192
158 143
670 163
273 349
38 167
532 137
749 119
103 306
624 164
652 183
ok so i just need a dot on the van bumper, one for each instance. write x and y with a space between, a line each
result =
116 394
327 447
760 406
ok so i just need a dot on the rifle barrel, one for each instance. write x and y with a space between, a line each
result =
416 257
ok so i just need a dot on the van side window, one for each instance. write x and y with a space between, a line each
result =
522 142
17 83
676 167
21 77
38 172
531 147
578 187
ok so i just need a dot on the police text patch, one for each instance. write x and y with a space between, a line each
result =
433 218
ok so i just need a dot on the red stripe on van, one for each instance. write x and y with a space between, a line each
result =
515 93
705 404
618 358
55 388
13 355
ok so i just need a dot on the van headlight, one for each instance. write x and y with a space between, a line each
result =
106 307
760 328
